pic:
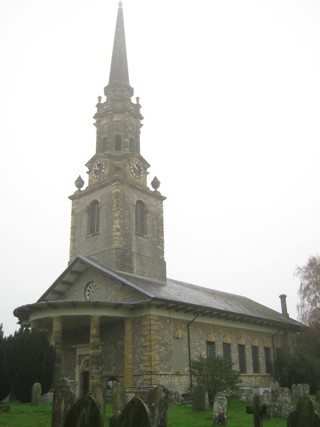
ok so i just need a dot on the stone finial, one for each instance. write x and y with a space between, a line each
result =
155 183
120 3
79 183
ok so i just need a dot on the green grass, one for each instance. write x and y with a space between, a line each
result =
25 415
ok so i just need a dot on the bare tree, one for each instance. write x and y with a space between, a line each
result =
309 291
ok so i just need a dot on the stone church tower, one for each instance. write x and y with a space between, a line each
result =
117 218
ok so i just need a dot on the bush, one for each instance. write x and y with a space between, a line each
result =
216 374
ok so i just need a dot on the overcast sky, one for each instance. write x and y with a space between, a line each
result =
230 92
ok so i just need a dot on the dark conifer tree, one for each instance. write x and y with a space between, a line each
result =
4 380
29 358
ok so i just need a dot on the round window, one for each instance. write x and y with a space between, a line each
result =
91 291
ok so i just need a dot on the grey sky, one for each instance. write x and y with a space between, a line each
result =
231 98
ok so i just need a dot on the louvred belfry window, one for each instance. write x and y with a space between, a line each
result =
93 220
140 217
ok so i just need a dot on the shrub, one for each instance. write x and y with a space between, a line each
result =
216 374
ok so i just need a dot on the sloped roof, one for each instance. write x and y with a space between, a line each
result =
174 294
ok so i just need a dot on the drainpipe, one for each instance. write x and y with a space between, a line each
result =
189 348
274 352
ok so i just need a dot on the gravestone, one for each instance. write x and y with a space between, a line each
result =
246 395
99 394
297 391
84 413
266 397
199 398
35 394
159 405
305 389
285 402
275 389
63 400
135 414
46 398
220 408
304 415
118 398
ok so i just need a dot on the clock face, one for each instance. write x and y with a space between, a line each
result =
136 169
98 169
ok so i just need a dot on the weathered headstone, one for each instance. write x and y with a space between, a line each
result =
199 398
159 405
118 398
85 413
246 395
305 389
135 414
275 389
63 400
285 401
304 415
266 397
220 409
99 394
297 391
47 397
35 394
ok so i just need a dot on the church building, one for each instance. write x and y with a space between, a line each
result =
113 312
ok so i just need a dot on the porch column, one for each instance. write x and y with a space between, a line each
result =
95 354
128 353
57 343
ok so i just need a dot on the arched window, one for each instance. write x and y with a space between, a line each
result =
140 217
93 219
117 143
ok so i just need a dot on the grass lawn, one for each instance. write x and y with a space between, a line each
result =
25 415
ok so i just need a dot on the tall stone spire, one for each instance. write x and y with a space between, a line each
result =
119 75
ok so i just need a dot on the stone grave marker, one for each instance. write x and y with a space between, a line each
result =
99 393
35 394
135 414
199 398
305 389
246 394
159 405
304 415
297 391
266 397
220 409
118 398
46 398
284 402
85 413
63 400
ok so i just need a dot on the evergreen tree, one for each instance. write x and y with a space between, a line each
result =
29 358
4 380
